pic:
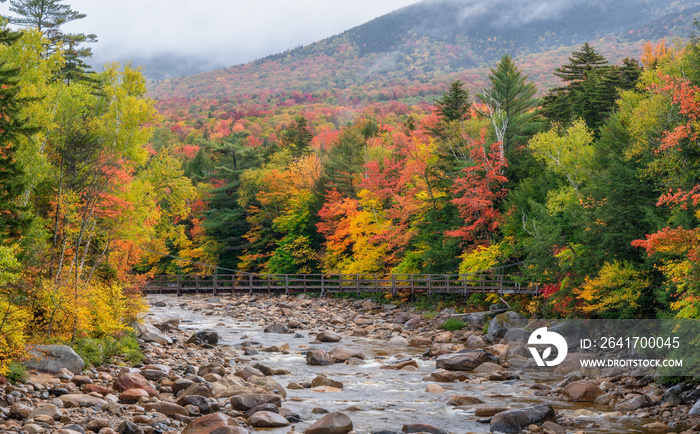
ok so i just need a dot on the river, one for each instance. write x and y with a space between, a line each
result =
379 399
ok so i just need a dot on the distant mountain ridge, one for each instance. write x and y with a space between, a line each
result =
438 40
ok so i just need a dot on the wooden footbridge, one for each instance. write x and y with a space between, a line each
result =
495 281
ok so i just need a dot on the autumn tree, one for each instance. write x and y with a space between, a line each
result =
47 16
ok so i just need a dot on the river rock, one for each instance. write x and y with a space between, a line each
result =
582 391
53 358
443 337
342 355
167 408
210 423
434 388
514 421
199 401
276 328
96 425
132 396
489 411
419 341
464 361
150 333
322 380
501 323
515 336
695 410
19 410
131 380
248 372
205 337
47 410
422 428
128 427
634 403
475 342
398 341
268 384
327 336
319 358
458 400
331 423
246 401
443 376
400 364
82 400
267 419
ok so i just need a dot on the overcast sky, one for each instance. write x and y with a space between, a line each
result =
227 31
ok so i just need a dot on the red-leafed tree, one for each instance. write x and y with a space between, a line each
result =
477 190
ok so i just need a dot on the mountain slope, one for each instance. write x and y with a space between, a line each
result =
434 42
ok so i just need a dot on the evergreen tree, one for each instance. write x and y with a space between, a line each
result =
345 161
13 219
510 98
48 16
583 76
454 104
297 138
580 64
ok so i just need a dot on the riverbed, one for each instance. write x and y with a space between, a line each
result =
375 399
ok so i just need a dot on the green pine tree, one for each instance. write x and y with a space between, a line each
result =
454 104
513 95
48 16
13 217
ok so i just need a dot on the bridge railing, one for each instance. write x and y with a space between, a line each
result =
485 282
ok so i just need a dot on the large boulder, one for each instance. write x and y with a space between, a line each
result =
501 323
149 333
514 421
466 361
53 358
332 423
319 358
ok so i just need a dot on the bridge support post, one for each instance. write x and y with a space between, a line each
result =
322 285
216 292
179 286
393 284
286 284
250 284
196 284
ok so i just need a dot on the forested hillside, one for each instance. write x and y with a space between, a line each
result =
349 156
439 42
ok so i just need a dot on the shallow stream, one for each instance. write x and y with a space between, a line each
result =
377 399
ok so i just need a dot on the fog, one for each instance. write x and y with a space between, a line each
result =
214 33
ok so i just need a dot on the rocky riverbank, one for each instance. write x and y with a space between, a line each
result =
322 366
